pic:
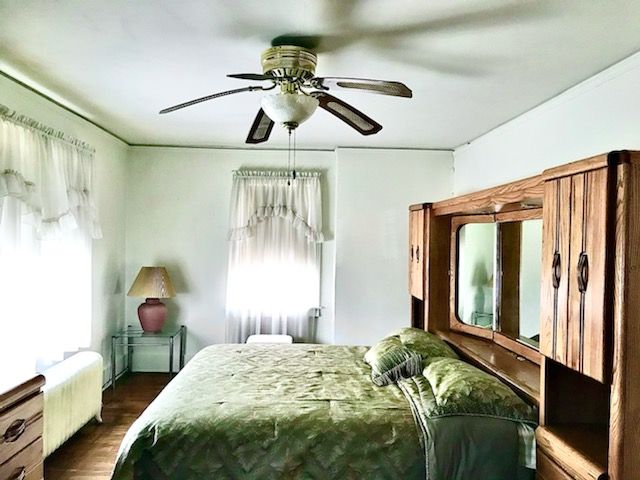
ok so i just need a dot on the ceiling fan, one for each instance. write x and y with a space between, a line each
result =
292 69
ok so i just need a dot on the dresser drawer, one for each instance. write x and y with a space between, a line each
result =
25 465
547 469
20 426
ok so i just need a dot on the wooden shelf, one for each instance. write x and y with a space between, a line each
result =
580 449
502 198
519 373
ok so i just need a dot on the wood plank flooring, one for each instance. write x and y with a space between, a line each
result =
91 453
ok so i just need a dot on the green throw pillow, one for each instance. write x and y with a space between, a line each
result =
425 344
390 361
462 389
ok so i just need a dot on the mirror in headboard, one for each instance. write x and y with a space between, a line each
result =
473 269
495 277
476 266
519 259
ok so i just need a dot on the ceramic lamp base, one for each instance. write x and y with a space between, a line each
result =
152 314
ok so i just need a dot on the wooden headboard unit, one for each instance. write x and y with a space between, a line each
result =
587 382
430 285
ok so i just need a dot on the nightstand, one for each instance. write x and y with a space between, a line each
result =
133 337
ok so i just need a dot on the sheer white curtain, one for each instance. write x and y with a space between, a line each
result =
274 254
47 221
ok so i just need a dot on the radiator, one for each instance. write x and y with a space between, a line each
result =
72 397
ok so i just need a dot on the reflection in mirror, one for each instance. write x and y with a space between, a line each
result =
520 261
476 265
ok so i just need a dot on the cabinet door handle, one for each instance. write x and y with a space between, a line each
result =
412 253
20 475
556 270
583 272
15 430
418 253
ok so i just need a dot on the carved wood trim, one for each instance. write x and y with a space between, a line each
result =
510 196
419 206
519 215
26 389
624 441
517 347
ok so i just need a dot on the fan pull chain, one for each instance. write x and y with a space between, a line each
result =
294 154
289 158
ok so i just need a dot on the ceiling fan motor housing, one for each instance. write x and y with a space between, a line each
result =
290 62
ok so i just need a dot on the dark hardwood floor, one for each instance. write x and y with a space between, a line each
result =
91 453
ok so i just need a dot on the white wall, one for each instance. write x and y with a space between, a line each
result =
170 206
375 188
596 116
177 215
177 205
110 168
530 277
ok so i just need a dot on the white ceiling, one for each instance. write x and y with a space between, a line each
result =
472 65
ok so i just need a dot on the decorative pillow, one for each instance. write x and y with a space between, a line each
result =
462 389
425 344
390 361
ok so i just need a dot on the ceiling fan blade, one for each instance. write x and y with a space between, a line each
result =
348 114
211 97
250 76
301 40
383 87
345 27
261 128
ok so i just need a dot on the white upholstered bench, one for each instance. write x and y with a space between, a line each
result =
270 339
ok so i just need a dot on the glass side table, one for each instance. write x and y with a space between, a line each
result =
133 337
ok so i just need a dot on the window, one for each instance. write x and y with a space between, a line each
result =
274 255
47 221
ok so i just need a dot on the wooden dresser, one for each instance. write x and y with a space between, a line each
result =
21 430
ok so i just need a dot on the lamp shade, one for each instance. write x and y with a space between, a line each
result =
152 282
289 107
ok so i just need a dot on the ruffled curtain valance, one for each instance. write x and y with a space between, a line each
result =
260 195
49 174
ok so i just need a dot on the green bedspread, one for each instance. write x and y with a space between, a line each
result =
304 412
275 411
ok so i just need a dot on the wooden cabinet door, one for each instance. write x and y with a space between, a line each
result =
588 282
416 253
574 313
555 269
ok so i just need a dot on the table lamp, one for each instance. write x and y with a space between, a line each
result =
152 283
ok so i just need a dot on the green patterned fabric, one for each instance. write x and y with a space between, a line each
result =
464 446
307 412
425 344
390 361
275 412
452 387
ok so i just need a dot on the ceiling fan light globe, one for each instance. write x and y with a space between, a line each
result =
291 108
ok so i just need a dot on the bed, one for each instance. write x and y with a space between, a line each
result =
306 411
